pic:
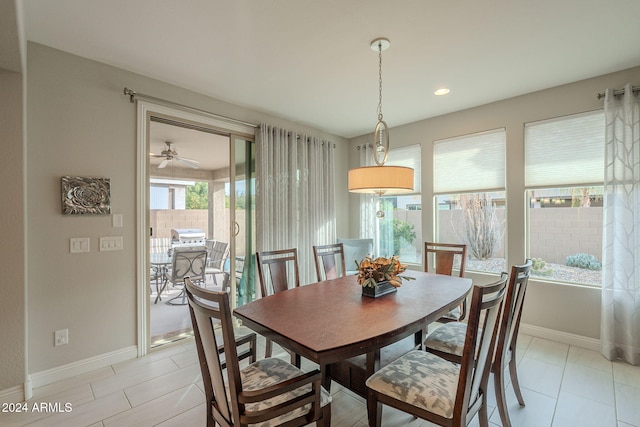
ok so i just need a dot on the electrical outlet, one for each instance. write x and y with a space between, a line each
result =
61 337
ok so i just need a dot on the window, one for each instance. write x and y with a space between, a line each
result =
469 180
564 175
399 217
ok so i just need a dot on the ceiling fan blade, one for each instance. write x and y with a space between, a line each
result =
189 162
163 164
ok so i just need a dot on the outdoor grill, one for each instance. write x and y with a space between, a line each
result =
187 237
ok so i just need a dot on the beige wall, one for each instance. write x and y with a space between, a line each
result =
451 223
571 309
163 220
81 124
555 232
561 232
12 259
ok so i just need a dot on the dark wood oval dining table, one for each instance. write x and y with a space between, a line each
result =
331 321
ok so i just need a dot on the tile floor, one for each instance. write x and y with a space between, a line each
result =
563 386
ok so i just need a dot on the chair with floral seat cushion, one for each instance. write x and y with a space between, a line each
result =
277 272
447 257
435 389
267 392
448 340
329 260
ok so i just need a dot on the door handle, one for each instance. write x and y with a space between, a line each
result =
236 228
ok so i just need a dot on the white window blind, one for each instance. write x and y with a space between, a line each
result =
470 163
565 151
409 157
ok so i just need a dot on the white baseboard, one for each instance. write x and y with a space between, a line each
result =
83 366
559 336
14 394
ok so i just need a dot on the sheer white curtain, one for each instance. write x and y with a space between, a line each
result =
368 202
295 203
620 324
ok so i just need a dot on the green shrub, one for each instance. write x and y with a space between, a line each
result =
585 261
539 267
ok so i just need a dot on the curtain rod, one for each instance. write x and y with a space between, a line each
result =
132 94
617 92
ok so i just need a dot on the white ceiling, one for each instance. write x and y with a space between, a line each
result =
310 61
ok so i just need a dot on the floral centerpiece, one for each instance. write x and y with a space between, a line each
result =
374 273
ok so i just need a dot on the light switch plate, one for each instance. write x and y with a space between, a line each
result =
113 243
117 220
78 245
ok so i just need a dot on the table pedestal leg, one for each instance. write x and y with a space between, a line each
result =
325 370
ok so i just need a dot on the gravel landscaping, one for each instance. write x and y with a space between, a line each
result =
555 272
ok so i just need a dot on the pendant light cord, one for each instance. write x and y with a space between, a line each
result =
379 81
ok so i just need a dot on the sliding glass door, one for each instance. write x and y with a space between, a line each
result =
243 287
200 190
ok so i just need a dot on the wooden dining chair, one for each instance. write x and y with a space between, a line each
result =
266 392
448 340
508 338
329 260
277 272
435 389
447 257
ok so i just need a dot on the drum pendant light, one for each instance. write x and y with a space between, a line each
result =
381 179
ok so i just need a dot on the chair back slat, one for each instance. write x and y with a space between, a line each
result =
444 263
278 270
279 279
208 308
448 256
329 260
513 304
486 304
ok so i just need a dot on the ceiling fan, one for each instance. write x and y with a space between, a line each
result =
169 154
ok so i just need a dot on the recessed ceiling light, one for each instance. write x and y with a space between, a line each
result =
442 91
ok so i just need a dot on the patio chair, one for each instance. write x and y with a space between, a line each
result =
217 256
158 246
187 261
